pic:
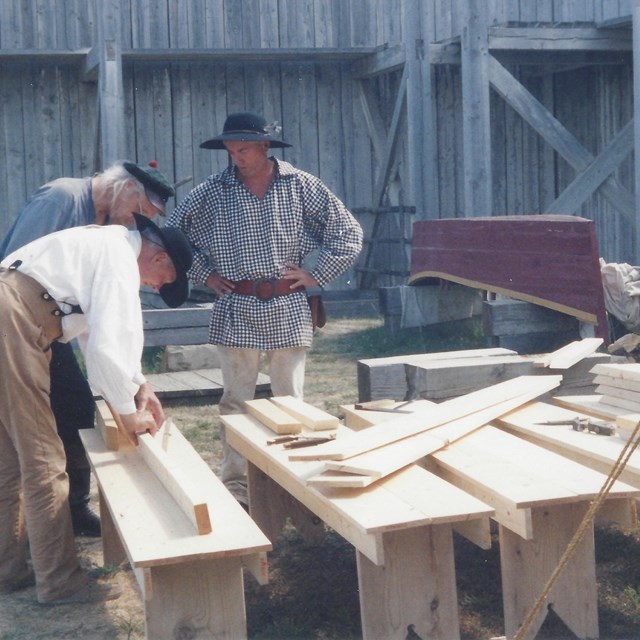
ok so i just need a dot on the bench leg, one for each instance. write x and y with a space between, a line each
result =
203 600
415 586
270 505
113 553
526 566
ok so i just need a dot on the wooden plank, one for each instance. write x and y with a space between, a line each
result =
190 498
614 400
385 460
354 444
273 416
311 417
621 383
570 354
595 451
613 391
591 404
626 371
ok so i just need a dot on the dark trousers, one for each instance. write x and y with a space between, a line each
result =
74 408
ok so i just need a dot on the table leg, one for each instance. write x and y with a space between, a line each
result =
270 506
416 585
203 599
526 566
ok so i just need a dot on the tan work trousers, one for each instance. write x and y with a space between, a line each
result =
240 369
33 484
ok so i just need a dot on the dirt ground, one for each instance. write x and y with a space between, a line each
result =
312 594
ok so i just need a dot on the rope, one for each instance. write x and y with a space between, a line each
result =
621 462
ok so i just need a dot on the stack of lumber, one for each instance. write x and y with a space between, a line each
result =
619 385
440 376
381 378
526 327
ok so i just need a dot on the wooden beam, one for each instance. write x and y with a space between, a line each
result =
43 56
278 420
110 87
310 416
372 117
255 56
556 38
636 116
421 130
392 138
384 59
586 182
554 133
176 480
476 121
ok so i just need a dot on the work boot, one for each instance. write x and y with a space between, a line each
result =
85 522
91 592
28 579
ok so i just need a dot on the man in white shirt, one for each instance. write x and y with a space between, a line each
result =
78 283
107 197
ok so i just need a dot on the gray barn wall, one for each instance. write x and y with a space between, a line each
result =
49 112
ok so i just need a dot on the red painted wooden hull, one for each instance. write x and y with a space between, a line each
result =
550 260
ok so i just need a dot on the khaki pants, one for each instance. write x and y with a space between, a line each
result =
33 482
240 369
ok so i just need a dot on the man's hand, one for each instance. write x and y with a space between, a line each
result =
221 286
299 277
147 400
137 423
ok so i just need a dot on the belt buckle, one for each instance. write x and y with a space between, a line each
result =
262 281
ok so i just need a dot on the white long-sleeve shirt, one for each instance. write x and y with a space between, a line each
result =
96 268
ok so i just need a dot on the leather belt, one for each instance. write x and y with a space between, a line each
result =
37 299
265 288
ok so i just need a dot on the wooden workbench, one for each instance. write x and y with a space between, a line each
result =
401 528
540 498
192 585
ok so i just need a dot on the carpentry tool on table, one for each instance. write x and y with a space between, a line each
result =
381 405
580 424
295 442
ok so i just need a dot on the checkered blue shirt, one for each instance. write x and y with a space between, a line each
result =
242 237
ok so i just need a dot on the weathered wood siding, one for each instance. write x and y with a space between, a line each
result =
50 122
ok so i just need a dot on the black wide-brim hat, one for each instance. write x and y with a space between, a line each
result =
178 247
245 127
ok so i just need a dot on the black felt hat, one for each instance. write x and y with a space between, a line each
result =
157 188
177 246
246 127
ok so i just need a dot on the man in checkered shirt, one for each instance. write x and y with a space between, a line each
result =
251 228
